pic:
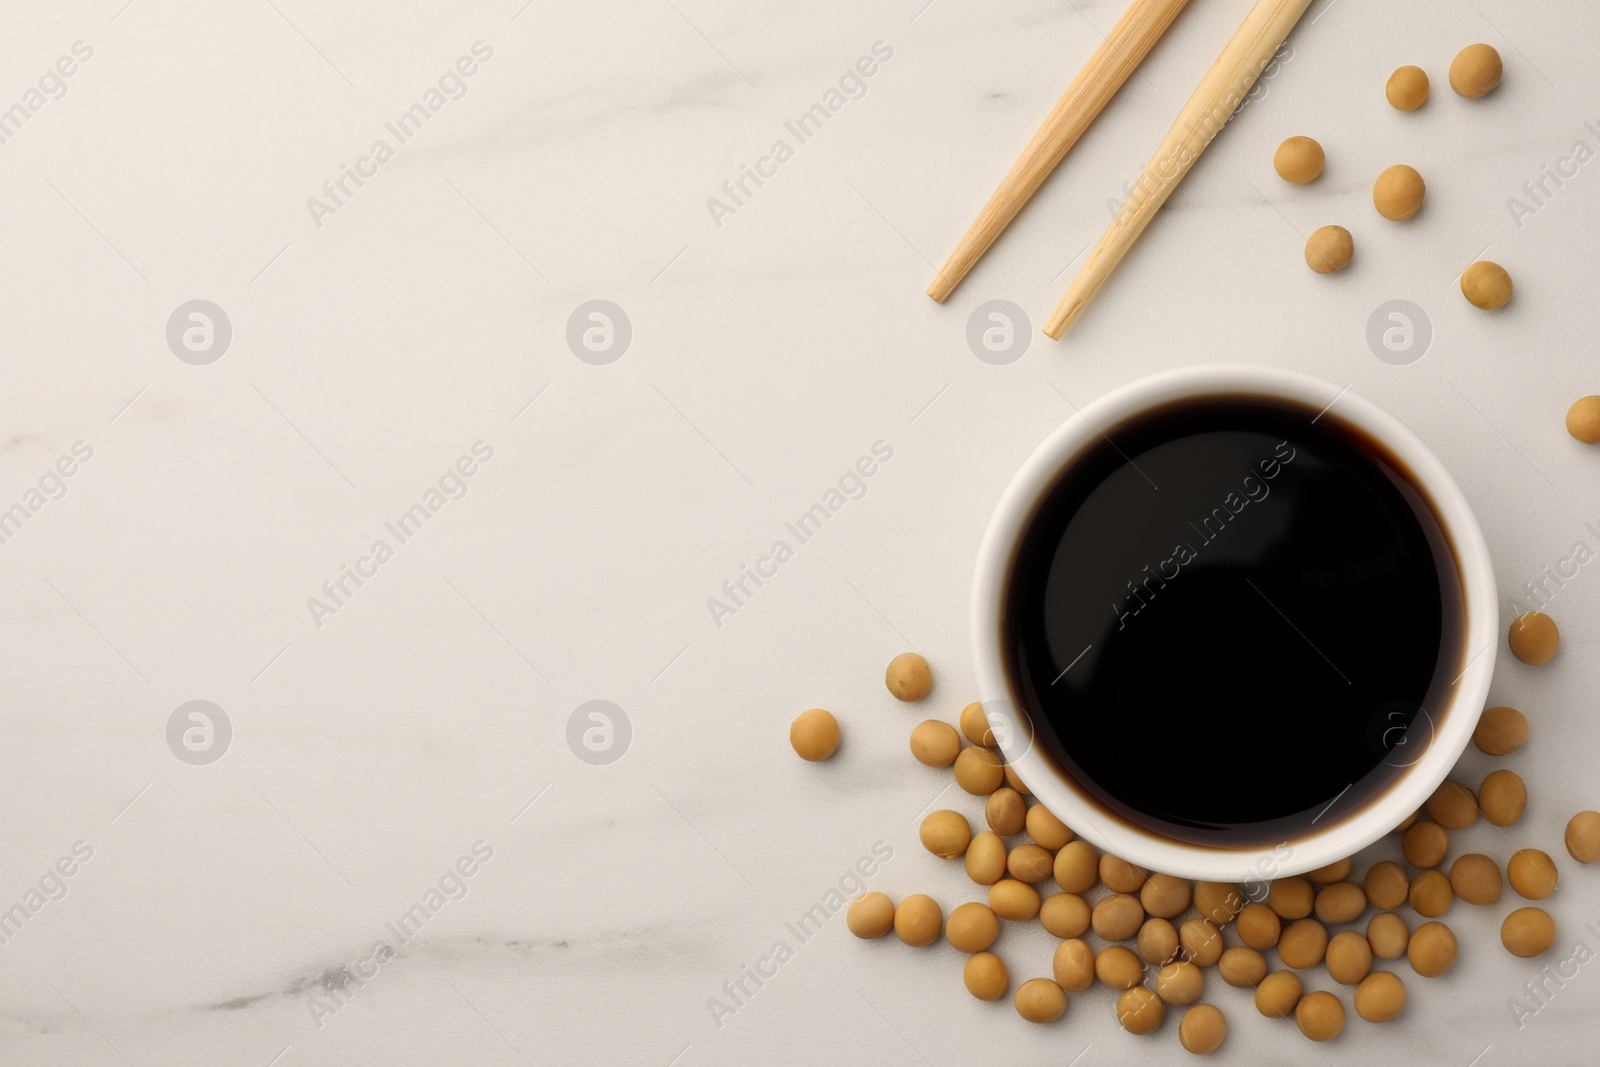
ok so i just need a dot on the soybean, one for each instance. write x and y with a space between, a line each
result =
978 771
935 743
1583 836
1528 932
1118 967
1119 875
1431 895
1583 420
1180 983
985 976
1407 89
1330 249
1278 993
1503 797
908 677
1500 731
1304 944
1140 1011
1158 942
1398 192
918 920
1291 898
972 927
1005 811
1486 285
1349 957
1029 863
1476 878
1073 965
1337 871
1064 915
1258 926
1218 901
1242 967
1117 917
870 915
1432 949
1203 1029
1039 1000
1201 941
1532 873
1165 896
1017 901
975 725
1388 935
814 735
1476 70
1386 885
1320 1015
1299 160
945 833
1380 997
1534 638
1077 867
986 858
1453 806
1425 845
1341 902
1045 829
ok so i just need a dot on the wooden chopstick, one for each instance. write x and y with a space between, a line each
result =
1140 27
1210 107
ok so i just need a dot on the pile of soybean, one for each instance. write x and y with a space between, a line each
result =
1398 192
1161 939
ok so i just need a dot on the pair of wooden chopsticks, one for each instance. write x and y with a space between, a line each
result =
1208 109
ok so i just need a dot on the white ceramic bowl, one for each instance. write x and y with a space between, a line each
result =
1441 745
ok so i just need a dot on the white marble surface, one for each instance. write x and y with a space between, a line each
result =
768 353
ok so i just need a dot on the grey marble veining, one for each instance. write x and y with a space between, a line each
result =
645 863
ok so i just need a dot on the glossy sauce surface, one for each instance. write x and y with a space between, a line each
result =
1228 620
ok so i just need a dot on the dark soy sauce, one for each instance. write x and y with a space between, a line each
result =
1230 622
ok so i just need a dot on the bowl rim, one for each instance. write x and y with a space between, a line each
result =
1313 849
